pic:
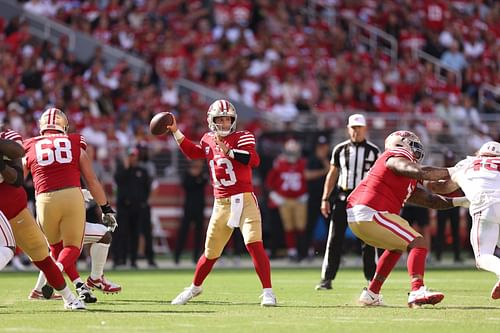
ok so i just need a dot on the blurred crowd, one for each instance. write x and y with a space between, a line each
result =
281 58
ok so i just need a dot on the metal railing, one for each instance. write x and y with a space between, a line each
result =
439 67
374 38
81 44
484 89
245 112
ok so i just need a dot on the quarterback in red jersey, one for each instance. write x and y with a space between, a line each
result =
373 214
286 182
56 160
231 155
27 234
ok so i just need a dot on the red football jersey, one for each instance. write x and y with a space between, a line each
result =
14 199
54 161
382 189
228 175
287 179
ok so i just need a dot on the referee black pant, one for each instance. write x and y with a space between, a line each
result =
335 242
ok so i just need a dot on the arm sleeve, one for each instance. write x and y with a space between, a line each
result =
241 156
246 145
191 150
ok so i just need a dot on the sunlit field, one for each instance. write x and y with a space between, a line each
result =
230 303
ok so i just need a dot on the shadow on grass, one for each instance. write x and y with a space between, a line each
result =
94 310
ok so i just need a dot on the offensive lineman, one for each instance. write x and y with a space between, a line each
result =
28 235
56 161
373 214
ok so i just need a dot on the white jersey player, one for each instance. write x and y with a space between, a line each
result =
479 178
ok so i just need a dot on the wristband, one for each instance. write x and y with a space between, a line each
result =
106 208
230 153
178 135
324 199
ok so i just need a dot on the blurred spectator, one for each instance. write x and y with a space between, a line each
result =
133 189
317 168
194 181
453 216
454 58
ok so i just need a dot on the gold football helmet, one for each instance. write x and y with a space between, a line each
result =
53 119
407 140
221 108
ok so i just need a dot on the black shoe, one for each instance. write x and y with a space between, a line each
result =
84 293
324 285
47 291
152 264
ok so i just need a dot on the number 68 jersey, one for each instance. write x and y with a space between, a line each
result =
228 176
479 179
54 160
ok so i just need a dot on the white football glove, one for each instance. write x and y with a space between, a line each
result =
109 217
87 196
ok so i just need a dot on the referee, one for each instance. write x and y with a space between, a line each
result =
349 164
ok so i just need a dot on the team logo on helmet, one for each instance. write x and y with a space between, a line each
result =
53 119
408 141
221 108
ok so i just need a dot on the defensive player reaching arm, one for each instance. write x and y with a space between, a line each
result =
479 178
231 155
26 232
373 214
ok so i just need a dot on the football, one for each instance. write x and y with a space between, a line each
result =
159 122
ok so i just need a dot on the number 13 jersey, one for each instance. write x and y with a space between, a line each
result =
54 161
228 176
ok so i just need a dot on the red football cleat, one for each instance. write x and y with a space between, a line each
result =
495 292
423 296
104 285
37 295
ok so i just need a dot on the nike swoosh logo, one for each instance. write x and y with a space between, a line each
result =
20 221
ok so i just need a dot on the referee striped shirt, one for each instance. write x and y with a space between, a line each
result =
353 160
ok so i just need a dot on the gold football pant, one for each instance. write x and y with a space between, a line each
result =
61 215
218 233
385 231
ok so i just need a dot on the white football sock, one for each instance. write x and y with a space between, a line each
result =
489 262
76 281
42 281
66 294
98 255
267 290
6 254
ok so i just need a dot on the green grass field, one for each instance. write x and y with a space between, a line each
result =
230 303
